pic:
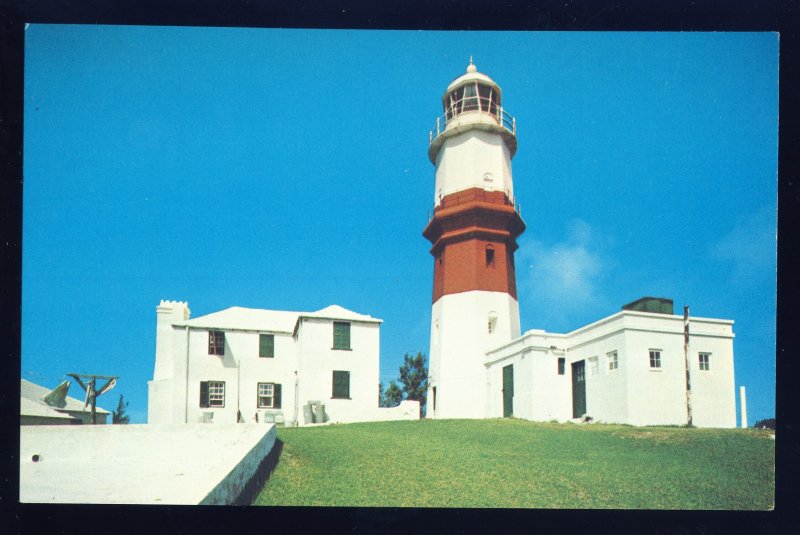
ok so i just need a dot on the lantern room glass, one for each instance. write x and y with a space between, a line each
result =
473 96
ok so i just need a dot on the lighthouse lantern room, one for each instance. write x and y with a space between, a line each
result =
473 235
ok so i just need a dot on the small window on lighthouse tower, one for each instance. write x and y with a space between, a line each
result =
492 321
489 256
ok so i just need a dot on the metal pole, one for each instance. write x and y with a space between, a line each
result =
94 405
743 403
686 358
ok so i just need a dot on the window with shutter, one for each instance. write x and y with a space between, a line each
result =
341 384
266 346
203 394
216 343
266 395
216 393
341 335
561 365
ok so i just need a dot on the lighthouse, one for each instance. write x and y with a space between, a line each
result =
473 232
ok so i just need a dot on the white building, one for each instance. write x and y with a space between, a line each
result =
268 366
630 367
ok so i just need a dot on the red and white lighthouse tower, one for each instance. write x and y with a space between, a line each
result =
473 234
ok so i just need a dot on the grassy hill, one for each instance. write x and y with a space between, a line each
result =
516 463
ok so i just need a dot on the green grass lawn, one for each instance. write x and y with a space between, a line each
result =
516 463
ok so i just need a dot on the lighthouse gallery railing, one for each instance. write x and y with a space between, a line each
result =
474 104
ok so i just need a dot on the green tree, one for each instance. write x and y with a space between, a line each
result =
768 423
118 416
414 377
392 396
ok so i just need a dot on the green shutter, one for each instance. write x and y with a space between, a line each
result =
276 393
341 384
341 335
266 346
203 394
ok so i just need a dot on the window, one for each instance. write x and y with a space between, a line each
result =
470 97
341 384
216 343
341 335
489 256
269 396
705 361
613 361
266 346
655 358
594 366
492 323
561 365
212 393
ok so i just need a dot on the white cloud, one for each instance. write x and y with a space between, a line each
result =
750 246
559 279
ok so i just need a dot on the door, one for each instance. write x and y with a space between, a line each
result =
578 388
508 391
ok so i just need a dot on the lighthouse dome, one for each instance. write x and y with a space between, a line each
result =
472 75
472 101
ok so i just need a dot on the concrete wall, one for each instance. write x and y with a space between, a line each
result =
178 464
466 160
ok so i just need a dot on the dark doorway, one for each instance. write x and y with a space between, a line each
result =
578 388
508 391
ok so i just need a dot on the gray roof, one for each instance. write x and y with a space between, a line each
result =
32 402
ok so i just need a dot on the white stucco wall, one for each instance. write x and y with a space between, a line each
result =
466 159
540 394
459 341
634 393
318 361
606 390
304 359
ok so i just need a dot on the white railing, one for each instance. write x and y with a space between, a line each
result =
474 105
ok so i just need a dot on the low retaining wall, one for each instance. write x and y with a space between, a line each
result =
407 410
141 464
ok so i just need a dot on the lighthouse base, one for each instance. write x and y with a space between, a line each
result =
464 326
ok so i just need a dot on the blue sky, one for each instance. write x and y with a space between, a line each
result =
288 169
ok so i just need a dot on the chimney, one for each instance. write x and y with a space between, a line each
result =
167 314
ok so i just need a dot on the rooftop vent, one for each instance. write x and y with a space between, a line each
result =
658 305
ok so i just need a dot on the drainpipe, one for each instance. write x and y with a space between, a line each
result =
186 389
686 358
238 389
296 397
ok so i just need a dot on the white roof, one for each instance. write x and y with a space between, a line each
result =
256 319
29 407
250 319
471 75
32 395
336 312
